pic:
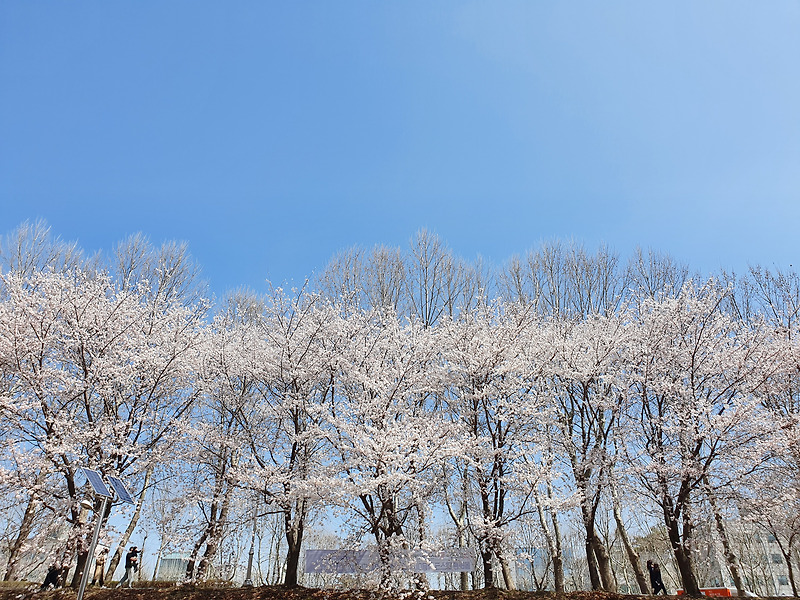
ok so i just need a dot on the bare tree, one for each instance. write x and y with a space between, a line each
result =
384 278
168 272
428 268
563 279
342 280
31 246
655 274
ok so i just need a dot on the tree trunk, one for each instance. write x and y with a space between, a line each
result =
488 571
458 520
215 537
25 528
82 533
487 547
791 575
591 562
385 566
123 541
603 564
292 562
730 557
461 528
508 580
633 556
558 557
190 564
464 576
553 540
679 549
420 579
596 555
158 560
212 543
79 567
686 570
787 556
294 539
215 531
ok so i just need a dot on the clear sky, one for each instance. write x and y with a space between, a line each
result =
269 135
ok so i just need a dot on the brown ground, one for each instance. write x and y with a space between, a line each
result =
279 593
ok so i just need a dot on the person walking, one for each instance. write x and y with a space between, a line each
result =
51 579
99 567
131 566
655 578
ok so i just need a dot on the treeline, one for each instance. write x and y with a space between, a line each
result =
396 386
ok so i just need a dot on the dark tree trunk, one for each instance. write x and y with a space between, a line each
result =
79 567
83 534
25 528
487 551
193 556
553 540
597 559
787 556
458 520
558 570
594 576
464 582
686 569
204 566
633 556
682 557
292 564
488 570
215 533
603 564
294 539
791 575
730 557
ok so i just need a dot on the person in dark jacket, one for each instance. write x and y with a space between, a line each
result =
131 566
51 579
655 578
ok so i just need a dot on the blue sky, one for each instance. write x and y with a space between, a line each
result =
270 135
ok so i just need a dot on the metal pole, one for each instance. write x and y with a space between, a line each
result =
85 577
248 582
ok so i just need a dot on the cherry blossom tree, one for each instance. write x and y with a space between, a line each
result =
489 379
216 439
388 439
584 387
288 459
693 377
100 380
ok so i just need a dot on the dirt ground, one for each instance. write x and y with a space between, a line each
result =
281 593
